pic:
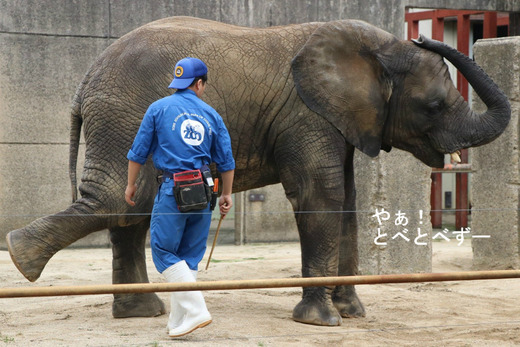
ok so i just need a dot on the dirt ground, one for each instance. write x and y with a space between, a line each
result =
470 313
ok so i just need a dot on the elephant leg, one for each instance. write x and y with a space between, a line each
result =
129 266
311 167
31 247
345 298
316 306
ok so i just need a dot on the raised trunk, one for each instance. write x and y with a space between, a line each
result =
478 129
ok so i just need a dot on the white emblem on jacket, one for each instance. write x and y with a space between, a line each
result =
192 132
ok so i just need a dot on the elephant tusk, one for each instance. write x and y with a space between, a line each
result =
455 157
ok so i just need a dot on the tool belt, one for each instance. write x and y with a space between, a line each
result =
190 191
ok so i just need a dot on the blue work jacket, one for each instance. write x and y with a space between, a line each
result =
182 133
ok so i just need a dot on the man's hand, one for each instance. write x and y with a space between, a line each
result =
225 203
131 186
130 193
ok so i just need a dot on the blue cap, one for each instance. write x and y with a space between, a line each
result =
185 72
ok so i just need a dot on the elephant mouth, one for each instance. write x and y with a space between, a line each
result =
455 157
435 158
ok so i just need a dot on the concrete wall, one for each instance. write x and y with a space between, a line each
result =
481 5
47 47
496 181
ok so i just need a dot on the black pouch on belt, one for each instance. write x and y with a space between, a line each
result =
210 184
190 191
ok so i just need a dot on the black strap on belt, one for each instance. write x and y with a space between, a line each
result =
161 178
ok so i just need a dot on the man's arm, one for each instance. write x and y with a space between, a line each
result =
225 202
131 188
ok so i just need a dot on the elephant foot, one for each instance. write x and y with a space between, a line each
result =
28 257
317 310
347 302
137 305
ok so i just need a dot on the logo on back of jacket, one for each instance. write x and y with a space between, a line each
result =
192 130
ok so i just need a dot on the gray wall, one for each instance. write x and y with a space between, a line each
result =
48 45
496 181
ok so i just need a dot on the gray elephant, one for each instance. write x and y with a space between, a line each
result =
297 100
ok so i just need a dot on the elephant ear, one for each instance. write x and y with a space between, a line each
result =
338 75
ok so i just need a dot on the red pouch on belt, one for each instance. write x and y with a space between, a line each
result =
190 191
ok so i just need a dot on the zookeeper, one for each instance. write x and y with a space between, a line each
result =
184 134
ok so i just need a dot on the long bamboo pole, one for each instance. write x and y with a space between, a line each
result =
215 240
215 191
255 284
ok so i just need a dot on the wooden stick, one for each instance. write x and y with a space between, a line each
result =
215 240
255 284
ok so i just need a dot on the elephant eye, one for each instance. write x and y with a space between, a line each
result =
434 107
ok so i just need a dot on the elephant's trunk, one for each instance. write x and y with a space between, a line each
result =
477 129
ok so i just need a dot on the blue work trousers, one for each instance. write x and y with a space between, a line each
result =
176 236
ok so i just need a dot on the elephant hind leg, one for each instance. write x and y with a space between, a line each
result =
30 267
129 266
33 246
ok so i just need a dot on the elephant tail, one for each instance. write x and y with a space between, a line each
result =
76 122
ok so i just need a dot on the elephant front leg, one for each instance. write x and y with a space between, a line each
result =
319 259
312 173
129 266
345 298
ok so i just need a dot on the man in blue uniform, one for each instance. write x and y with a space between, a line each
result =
183 133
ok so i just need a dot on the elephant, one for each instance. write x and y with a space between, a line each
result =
297 101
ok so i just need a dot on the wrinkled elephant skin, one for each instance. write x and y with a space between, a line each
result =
296 100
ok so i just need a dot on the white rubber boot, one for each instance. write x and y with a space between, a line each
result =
192 303
176 311
176 315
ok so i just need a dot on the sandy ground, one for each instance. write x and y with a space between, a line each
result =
470 313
